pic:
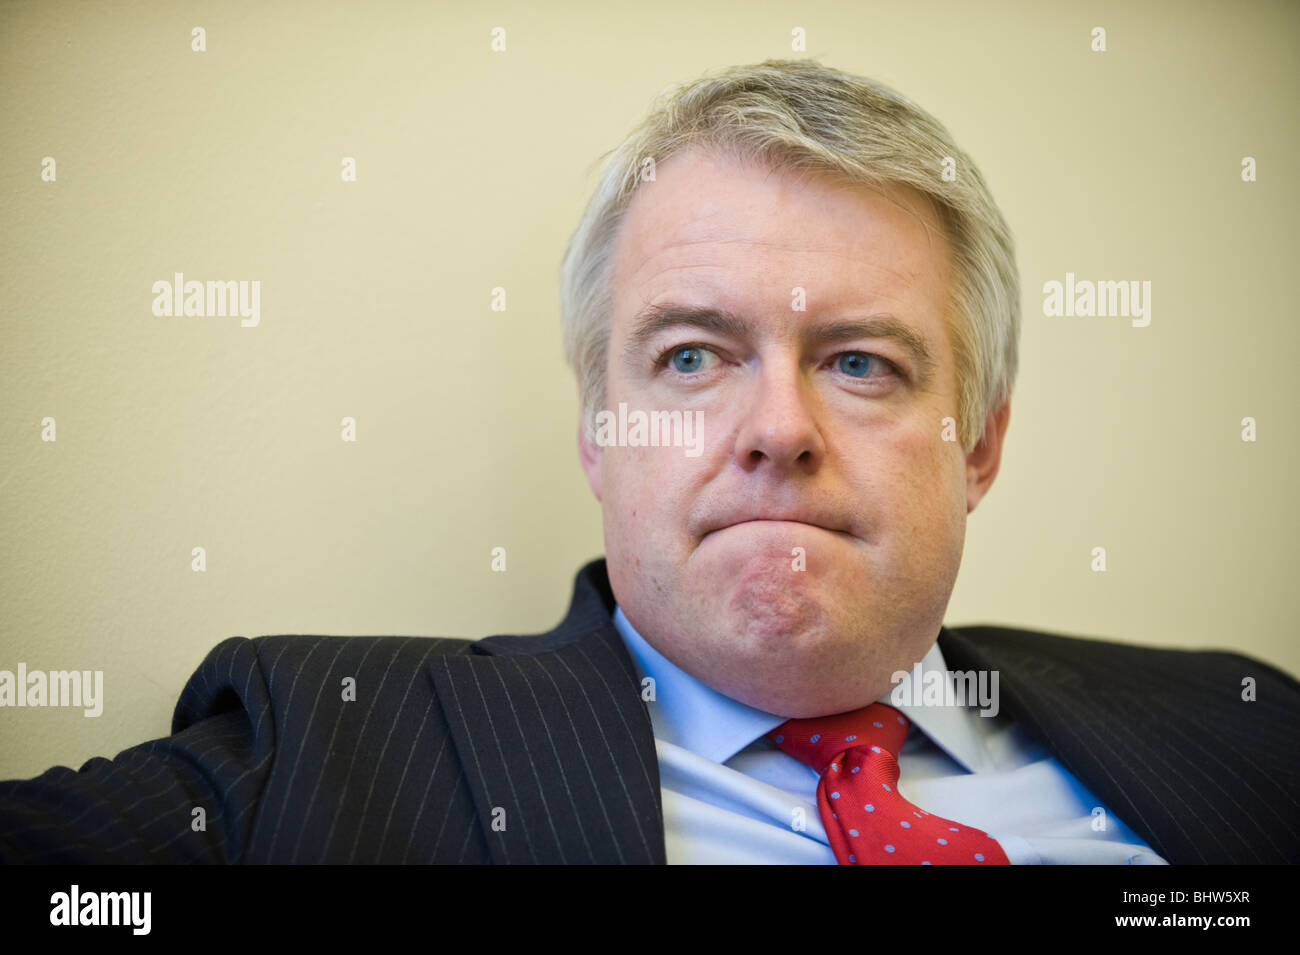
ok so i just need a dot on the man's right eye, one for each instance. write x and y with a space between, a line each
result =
683 359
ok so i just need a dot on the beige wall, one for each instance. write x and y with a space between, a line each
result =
472 168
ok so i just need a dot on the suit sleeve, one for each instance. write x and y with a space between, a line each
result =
141 806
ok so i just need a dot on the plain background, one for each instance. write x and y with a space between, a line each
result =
473 167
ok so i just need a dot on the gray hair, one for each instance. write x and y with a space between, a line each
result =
801 116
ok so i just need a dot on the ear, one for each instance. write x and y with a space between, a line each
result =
589 457
983 461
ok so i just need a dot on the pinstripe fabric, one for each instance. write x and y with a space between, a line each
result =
285 770
553 731
1161 736
522 749
561 746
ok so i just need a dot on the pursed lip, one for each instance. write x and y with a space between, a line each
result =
776 520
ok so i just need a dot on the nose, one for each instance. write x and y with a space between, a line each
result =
779 420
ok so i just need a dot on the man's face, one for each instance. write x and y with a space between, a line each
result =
810 550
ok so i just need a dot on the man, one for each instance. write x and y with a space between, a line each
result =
806 267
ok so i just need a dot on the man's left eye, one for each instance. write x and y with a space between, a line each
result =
855 364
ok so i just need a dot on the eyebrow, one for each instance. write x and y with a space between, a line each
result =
654 319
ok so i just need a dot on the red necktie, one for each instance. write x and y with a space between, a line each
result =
866 820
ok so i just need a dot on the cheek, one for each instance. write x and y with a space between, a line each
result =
927 492
636 482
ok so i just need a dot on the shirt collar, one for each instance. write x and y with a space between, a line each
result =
698 718
686 712
954 729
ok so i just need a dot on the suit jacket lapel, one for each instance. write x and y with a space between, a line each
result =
1156 735
556 743
559 752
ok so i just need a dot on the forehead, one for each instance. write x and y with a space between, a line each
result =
742 236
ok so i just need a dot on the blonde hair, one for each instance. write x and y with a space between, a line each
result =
801 116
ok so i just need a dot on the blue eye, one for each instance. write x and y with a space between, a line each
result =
855 363
687 360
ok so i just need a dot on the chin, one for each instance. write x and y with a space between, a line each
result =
780 622
818 697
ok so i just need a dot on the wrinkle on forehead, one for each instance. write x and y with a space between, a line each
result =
643 221
697 234
918 204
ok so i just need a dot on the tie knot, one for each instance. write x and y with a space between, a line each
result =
818 740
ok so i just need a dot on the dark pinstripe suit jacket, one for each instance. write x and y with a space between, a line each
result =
539 749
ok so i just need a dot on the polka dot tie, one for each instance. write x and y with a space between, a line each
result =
867 821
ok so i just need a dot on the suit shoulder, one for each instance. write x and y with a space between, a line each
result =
1096 654
243 672
300 646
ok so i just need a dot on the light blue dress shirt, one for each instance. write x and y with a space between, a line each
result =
730 796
